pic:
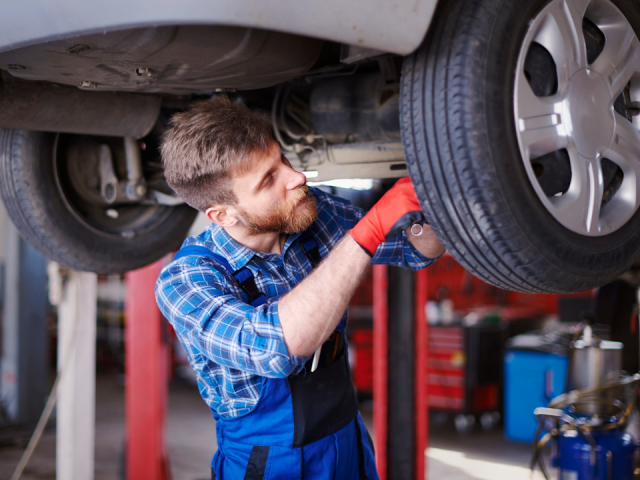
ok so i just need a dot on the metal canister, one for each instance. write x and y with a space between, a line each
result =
596 363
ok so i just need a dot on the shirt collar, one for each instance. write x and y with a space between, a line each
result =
288 241
236 254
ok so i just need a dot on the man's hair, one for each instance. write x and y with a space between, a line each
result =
209 143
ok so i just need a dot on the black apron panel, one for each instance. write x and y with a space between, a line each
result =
331 349
323 402
257 463
213 474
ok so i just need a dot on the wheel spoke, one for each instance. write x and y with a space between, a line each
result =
561 34
541 135
619 73
625 152
626 140
579 208
619 59
593 195
539 121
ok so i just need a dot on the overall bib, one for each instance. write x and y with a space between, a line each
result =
306 426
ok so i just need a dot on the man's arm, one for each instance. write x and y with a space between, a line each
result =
312 310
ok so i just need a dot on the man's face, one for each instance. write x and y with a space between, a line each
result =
273 197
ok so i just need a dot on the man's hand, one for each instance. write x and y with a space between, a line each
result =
397 210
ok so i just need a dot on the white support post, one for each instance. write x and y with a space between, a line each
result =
75 450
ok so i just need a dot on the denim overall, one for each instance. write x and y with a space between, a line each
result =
306 426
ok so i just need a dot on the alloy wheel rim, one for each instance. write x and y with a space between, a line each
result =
578 132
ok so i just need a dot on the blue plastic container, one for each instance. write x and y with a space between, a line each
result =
531 380
574 454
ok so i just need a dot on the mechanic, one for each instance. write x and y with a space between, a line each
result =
259 298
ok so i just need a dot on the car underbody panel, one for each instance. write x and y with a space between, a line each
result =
171 59
396 26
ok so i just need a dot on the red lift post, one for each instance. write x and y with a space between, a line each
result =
147 359
421 352
381 370
380 353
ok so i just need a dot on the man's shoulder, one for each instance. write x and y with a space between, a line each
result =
198 256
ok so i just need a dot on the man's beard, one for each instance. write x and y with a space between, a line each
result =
284 218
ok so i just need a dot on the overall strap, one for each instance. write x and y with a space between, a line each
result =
200 251
247 283
310 248
243 276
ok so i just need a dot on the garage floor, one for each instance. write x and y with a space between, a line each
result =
191 442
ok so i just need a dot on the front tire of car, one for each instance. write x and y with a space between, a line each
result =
37 185
529 185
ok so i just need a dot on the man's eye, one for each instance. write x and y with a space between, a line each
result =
268 181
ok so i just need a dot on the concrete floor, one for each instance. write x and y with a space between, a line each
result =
191 442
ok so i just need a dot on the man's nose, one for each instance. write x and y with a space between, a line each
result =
295 179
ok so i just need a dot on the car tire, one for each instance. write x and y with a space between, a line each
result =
45 210
465 158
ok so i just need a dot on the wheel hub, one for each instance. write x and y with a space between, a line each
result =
589 109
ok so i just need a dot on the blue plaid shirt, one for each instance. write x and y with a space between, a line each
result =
231 345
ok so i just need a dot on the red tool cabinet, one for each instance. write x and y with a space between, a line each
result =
463 375
464 368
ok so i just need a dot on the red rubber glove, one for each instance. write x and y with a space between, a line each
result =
396 211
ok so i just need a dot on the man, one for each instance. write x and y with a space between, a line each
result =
263 328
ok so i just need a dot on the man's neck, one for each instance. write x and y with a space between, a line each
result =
264 242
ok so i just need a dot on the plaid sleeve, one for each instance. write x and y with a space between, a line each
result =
400 252
207 316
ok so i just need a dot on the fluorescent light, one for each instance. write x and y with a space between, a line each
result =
352 183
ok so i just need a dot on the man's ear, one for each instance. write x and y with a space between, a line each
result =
222 215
